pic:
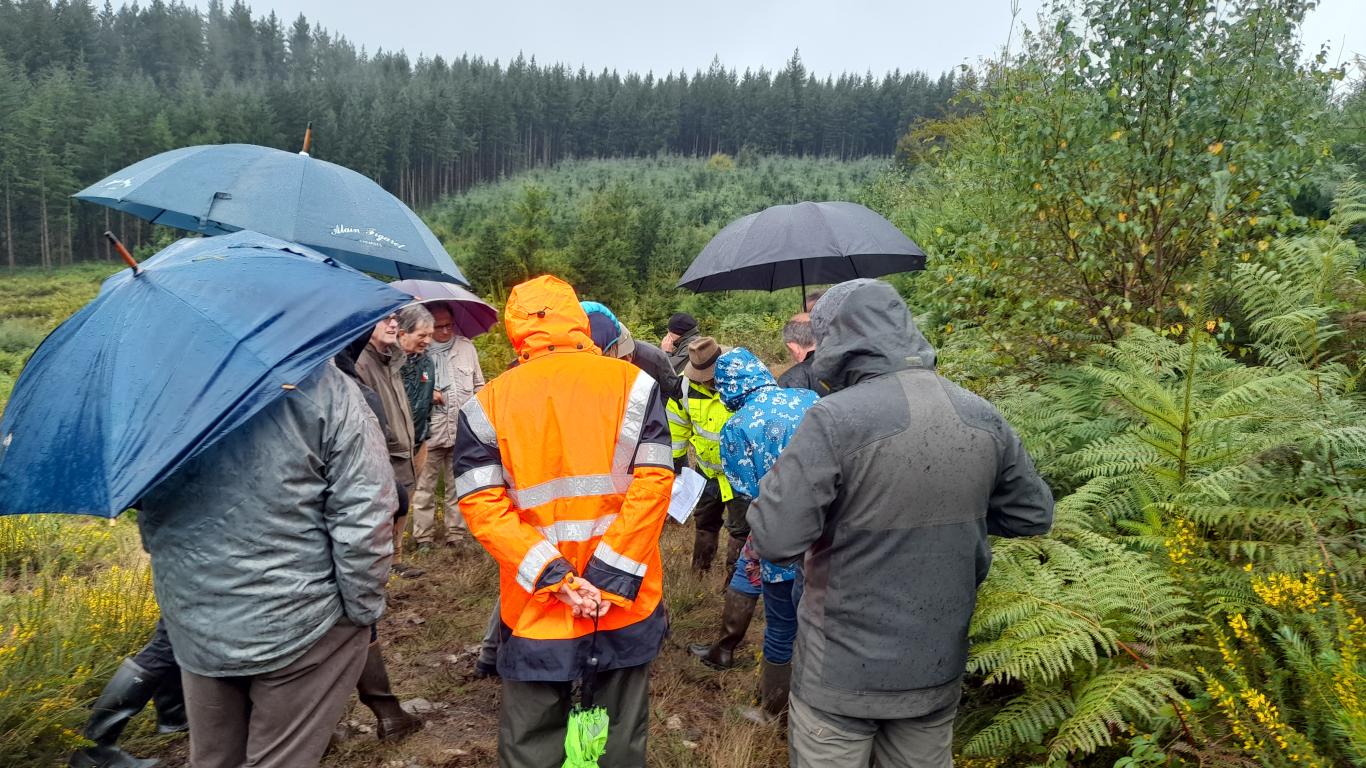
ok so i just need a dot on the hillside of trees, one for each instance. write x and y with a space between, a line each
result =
85 90
623 231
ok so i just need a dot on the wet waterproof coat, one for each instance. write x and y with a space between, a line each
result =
653 361
890 488
563 467
696 417
801 376
766 418
276 533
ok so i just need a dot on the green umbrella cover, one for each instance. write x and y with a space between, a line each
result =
586 738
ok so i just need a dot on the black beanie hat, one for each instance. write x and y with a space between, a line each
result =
681 323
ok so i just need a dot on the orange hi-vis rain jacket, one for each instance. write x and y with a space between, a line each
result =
564 467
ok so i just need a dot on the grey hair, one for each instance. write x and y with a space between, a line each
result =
799 332
412 317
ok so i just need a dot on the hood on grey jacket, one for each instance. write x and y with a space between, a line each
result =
863 329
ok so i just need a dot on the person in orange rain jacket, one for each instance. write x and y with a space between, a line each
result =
564 469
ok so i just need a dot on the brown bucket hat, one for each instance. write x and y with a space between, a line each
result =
702 355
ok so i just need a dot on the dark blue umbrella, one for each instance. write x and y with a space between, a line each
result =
219 188
166 361
804 244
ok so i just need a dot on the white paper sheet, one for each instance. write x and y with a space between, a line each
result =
687 490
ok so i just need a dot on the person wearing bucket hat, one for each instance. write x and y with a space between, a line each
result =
696 416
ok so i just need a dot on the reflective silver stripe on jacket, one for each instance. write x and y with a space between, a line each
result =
479 422
537 558
676 418
654 453
576 530
572 487
477 479
619 561
632 422
714 437
701 462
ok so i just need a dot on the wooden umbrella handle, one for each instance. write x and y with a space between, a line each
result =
123 252
308 138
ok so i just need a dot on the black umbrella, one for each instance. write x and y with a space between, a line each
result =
800 245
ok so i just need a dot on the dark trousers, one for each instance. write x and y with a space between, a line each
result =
280 719
711 513
532 726
156 658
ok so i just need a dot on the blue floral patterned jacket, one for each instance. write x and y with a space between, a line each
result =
766 418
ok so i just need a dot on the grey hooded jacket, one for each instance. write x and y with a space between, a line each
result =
276 533
890 488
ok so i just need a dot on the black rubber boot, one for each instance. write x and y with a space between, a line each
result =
735 618
775 680
392 722
126 693
733 546
169 701
703 551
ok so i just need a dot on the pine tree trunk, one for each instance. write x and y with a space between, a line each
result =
45 255
108 252
9 226
70 236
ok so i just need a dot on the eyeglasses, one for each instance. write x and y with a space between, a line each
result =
390 319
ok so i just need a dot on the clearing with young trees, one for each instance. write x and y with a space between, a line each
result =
1145 225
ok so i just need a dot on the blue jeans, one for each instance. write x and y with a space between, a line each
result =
780 620
780 610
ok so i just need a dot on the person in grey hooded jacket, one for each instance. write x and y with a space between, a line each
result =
890 488
270 551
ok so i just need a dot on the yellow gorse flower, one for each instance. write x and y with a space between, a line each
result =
1281 590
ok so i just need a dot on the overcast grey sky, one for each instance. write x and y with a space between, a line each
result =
833 35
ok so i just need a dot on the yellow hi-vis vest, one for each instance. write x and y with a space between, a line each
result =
696 419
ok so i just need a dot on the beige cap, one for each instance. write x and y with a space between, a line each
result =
625 345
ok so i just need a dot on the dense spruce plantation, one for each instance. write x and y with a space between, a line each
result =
85 90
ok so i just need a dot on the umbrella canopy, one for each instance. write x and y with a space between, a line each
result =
472 315
219 188
165 362
799 245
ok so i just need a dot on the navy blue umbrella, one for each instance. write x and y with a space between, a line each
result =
218 188
167 360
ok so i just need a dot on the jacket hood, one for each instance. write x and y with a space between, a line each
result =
603 326
863 329
739 373
543 316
